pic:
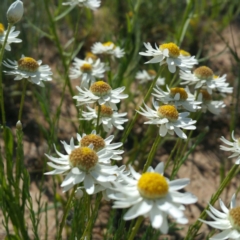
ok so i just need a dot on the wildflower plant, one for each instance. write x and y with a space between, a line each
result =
135 131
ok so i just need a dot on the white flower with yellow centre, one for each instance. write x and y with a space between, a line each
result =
92 4
30 69
100 92
152 195
169 119
108 117
12 37
222 86
233 147
169 53
88 70
204 77
179 97
146 76
101 144
83 165
207 103
228 220
108 48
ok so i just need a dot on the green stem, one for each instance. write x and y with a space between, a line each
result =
25 83
88 229
1 84
152 153
65 213
193 230
98 118
130 126
135 228
58 45
171 154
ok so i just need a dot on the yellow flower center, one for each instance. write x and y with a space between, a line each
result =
181 91
28 64
100 88
168 111
97 141
1 29
152 185
105 111
86 67
173 49
234 217
108 44
204 73
206 97
90 55
152 72
185 53
84 158
215 77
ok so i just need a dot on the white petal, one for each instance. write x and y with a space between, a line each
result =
89 184
222 235
138 209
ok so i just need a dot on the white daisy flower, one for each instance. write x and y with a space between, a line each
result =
190 60
92 4
228 220
12 37
30 69
169 53
107 48
83 164
179 97
108 117
204 77
146 76
152 195
89 70
207 103
169 120
101 93
91 55
101 144
233 147
222 85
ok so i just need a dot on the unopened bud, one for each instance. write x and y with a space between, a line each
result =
15 12
19 125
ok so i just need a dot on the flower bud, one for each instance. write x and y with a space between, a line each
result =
19 125
15 12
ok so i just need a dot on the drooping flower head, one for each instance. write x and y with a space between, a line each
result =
12 37
108 48
152 195
204 77
30 69
92 4
179 97
83 164
102 93
149 75
208 104
101 144
228 220
108 117
170 54
88 70
168 119
233 147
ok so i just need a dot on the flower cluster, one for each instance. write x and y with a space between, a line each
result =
93 162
